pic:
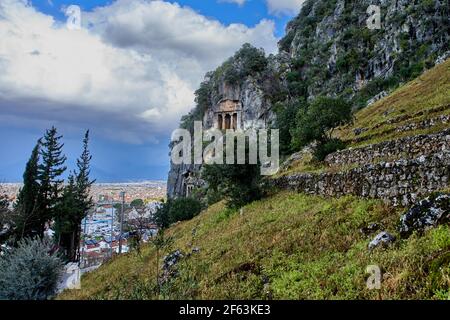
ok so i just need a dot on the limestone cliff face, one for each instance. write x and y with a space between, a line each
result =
255 104
335 52
243 95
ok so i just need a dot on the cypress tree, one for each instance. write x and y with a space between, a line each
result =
75 203
83 188
83 182
27 219
49 173
66 221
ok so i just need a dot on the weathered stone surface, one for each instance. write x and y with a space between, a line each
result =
426 214
383 239
169 269
329 22
398 183
410 147
257 113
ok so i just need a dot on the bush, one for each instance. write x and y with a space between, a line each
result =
30 272
175 210
239 184
285 121
183 209
327 147
137 203
317 121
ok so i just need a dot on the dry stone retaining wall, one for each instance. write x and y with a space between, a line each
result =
399 183
408 147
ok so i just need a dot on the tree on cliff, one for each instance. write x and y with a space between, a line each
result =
238 183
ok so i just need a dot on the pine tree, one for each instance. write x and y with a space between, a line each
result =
49 173
27 219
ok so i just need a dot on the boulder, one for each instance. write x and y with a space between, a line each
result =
427 213
169 269
383 239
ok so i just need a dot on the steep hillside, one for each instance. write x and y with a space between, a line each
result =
289 246
422 106
296 244
249 81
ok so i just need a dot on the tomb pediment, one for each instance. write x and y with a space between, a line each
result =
229 106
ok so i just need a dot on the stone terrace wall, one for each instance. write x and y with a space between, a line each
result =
408 147
398 183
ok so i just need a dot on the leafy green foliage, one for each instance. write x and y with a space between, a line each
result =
175 210
327 147
317 121
285 122
27 221
238 183
30 271
184 209
137 203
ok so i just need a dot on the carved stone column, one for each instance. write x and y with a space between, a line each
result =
239 120
224 121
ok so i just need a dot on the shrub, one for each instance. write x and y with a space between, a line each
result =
285 121
317 121
239 184
184 209
327 147
137 203
175 210
30 272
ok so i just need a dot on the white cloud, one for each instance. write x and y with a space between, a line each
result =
289 7
238 2
130 72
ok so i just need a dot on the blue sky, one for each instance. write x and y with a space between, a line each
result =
128 75
250 13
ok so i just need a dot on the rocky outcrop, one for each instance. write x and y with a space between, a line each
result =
338 52
235 89
427 213
328 50
169 269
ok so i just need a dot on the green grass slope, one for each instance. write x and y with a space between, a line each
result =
289 246
427 97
